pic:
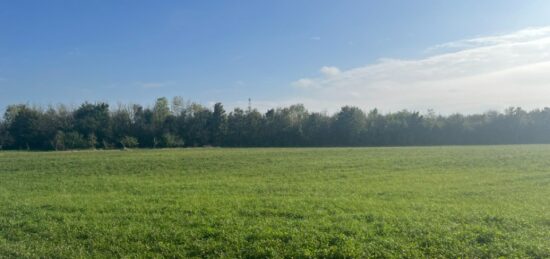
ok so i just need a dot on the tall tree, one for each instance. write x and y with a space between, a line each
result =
161 110
23 126
93 121
121 125
349 126
5 138
218 125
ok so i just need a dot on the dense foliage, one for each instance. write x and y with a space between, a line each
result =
176 123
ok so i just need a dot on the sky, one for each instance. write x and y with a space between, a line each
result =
463 56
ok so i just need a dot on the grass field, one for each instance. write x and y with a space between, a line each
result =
335 202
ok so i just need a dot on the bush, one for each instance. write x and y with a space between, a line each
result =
129 142
170 140
70 140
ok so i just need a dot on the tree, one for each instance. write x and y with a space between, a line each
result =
93 121
170 140
5 138
349 126
23 126
143 128
50 122
121 123
93 125
70 140
218 125
316 130
197 119
235 128
178 105
161 110
253 128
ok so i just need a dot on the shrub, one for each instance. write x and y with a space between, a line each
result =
70 140
170 140
129 142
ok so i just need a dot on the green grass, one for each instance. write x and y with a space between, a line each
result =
336 202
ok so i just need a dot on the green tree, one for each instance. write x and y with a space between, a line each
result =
6 140
121 123
218 125
349 126
23 126
161 110
69 140
93 121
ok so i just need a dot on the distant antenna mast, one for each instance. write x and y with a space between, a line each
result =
249 104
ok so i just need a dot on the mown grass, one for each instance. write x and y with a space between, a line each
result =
335 202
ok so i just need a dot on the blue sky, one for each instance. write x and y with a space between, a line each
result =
207 51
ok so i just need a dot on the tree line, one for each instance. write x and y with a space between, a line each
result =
177 123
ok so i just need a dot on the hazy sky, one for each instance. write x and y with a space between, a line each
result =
466 56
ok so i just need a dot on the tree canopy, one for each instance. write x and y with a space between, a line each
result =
183 124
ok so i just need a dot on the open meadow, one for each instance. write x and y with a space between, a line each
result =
464 201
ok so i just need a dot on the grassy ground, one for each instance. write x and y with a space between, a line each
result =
341 202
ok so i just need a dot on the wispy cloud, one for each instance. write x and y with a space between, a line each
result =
315 38
471 75
524 35
304 83
330 71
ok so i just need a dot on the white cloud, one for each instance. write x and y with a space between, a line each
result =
483 73
303 83
330 71
315 38
524 35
